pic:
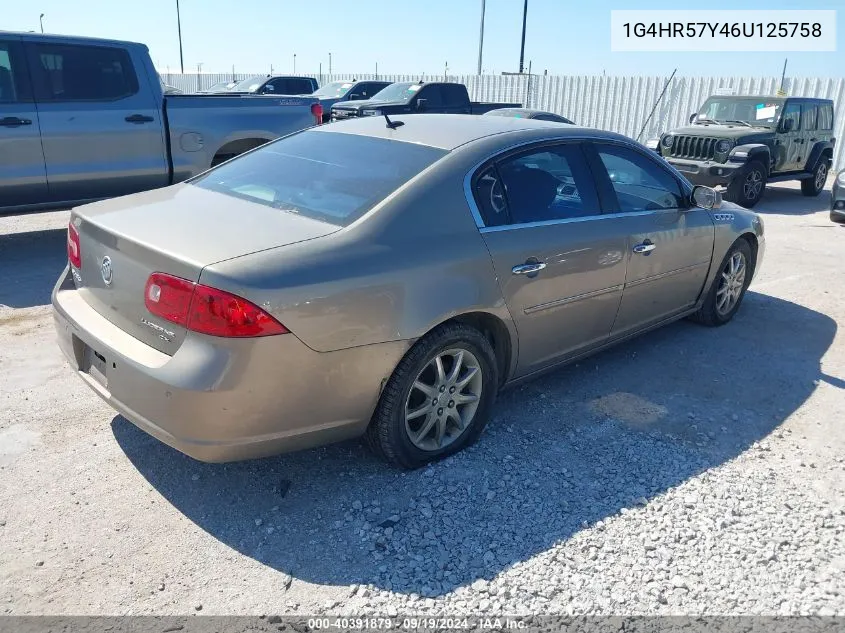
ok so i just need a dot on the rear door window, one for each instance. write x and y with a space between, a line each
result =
809 114
327 176
454 95
64 72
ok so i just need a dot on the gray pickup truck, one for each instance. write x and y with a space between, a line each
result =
83 119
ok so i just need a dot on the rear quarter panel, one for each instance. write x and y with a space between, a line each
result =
200 125
412 263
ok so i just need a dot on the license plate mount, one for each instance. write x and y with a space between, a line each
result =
95 365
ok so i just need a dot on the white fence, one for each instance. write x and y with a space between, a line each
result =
620 104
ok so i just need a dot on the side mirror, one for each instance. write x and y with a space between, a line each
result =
421 104
787 125
693 117
269 88
706 198
355 97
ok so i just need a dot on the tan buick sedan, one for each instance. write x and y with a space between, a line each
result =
385 278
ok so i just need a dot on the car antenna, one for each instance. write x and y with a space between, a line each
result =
393 124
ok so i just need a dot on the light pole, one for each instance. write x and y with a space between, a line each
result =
330 64
522 48
294 63
481 36
41 20
179 27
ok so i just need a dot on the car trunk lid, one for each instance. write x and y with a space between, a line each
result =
179 231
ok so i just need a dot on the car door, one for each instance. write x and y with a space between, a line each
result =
454 99
23 178
101 126
789 141
428 99
808 136
669 242
559 262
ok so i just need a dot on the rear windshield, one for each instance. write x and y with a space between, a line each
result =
326 176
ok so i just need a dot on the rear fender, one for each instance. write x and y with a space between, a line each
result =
820 150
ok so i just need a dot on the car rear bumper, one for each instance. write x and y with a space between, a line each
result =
706 173
220 399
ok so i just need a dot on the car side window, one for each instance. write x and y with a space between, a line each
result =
453 95
432 95
13 85
809 113
539 185
825 116
65 72
792 112
640 184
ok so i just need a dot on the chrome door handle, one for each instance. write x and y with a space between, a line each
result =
527 269
645 248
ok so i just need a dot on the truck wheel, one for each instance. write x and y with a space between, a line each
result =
815 185
438 399
747 188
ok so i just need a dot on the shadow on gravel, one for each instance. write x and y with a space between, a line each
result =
30 264
782 200
563 452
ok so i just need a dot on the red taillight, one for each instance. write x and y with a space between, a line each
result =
317 111
206 310
169 297
74 252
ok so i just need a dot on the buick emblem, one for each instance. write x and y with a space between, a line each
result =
105 270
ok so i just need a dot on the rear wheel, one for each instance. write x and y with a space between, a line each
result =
815 185
728 288
438 399
747 188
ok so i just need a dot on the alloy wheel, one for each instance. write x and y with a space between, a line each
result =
821 176
731 283
443 399
753 185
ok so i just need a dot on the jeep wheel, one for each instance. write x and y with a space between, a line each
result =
748 188
815 185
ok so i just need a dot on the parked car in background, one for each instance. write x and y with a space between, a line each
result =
339 91
743 142
85 118
276 85
220 86
837 198
405 97
365 279
528 113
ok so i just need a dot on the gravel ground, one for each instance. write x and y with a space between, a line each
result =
692 471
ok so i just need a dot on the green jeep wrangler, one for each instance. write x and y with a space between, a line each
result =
743 142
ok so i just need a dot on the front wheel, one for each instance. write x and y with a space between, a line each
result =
815 185
438 399
728 288
747 188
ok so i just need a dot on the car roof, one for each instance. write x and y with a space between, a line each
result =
70 38
449 131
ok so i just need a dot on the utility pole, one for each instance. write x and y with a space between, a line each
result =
330 64
481 36
294 63
376 70
41 21
522 48
179 27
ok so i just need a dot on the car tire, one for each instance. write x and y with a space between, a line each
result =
814 185
397 431
839 219
713 312
748 187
